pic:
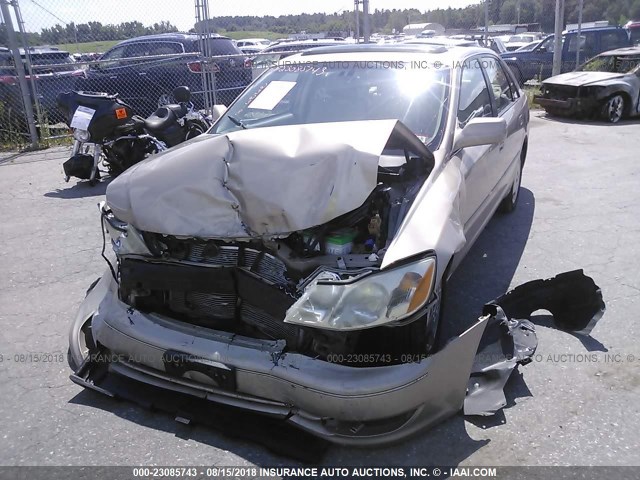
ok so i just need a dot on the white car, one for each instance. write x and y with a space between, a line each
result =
261 43
293 260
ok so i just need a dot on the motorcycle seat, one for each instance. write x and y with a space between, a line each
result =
178 109
161 119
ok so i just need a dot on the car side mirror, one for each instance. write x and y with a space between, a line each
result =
481 131
542 49
217 111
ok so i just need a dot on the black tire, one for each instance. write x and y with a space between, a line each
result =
613 108
510 201
195 128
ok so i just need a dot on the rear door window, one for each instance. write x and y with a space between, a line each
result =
612 40
222 46
474 94
499 82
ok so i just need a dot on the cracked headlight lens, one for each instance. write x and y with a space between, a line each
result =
366 301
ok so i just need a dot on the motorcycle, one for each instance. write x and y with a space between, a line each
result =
106 124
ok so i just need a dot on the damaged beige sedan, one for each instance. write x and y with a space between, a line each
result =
292 261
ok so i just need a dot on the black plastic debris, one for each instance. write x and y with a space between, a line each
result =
509 339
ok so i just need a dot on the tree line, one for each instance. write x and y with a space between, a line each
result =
386 21
381 20
90 32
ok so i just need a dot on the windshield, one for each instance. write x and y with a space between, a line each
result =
612 64
298 93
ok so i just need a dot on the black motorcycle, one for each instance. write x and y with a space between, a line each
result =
107 125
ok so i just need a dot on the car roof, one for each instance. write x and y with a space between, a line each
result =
303 43
439 40
178 37
593 29
444 56
623 51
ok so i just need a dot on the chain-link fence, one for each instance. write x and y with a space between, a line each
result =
53 46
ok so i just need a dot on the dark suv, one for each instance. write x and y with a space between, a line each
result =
174 59
54 71
539 61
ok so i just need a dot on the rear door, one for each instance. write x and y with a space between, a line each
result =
504 97
474 101
586 47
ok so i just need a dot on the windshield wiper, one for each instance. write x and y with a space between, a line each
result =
237 122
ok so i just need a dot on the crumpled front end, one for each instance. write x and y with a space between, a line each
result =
341 403
568 99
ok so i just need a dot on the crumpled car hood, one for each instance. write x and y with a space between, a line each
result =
257 182
578 79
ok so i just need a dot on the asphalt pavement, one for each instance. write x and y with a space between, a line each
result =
576 404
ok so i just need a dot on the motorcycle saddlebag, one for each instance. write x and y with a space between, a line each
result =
79 166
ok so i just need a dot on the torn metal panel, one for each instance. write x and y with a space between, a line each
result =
261 182
510 339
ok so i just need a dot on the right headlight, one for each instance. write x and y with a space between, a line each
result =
366 301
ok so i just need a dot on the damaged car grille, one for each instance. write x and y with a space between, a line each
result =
245 291
261 263
560 92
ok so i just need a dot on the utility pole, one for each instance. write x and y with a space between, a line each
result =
365 23
557 39
518 11
22 77
356 9
580 7
486 21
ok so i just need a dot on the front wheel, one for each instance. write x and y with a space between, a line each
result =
613 109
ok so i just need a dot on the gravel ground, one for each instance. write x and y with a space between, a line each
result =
580 208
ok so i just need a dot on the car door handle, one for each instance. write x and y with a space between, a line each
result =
501 146
142 73
113 77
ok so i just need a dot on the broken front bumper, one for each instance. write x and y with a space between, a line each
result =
343 404
350 405
571 106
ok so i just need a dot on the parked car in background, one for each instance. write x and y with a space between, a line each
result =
252 45
279 50
54 71
528 47
292 260
606 87
145 70
538 63
633 27
492 43
515 42
442 41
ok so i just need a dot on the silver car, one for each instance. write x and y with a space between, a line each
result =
293 260
605 87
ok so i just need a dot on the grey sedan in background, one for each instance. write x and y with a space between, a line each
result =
605 87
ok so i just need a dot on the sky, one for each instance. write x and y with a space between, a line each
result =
182 12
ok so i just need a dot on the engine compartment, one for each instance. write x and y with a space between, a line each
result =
246 287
